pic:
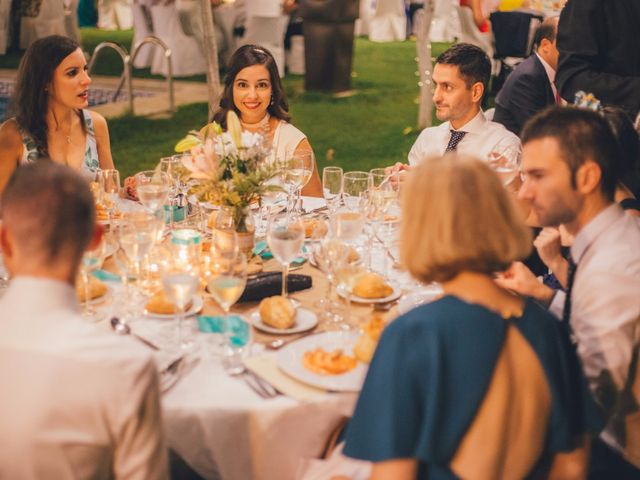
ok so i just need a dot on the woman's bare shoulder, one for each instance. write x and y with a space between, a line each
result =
10 135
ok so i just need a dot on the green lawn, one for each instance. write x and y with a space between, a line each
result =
357 133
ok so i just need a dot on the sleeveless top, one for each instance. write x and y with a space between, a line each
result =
285 140
90 163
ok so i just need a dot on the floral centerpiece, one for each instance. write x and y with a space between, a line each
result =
229 167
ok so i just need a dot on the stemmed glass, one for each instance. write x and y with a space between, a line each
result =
172 166
387 230
332 187
285 236
355 186
153 189
274 194
329 254
137 233
226 282
109 180
91 261
504 158
347 275
180 285
298 169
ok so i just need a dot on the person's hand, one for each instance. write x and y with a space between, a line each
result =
289 6
398 173
548 245
519 279
130 188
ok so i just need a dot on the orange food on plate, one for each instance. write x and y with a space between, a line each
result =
159 303
328 363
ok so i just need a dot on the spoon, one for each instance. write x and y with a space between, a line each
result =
281 342
122 328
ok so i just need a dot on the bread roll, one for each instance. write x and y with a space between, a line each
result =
97 288
372 286
277 312
159 303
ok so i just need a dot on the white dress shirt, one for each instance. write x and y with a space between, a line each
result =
605 307
76 402
482 137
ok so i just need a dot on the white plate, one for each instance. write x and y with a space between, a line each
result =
196 306
389 298
305 320
291 355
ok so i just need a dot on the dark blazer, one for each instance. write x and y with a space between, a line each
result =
598 43
525 92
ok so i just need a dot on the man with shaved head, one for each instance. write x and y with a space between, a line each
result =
77 402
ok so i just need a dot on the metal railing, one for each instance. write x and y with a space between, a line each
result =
128 60
153 40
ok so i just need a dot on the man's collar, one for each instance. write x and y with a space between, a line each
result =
48 294
475 125
593 229
551 73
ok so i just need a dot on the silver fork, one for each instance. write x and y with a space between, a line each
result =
258 385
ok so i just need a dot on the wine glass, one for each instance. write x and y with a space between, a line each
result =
329 254
504 158
332 187
387 231
285 236
109 180
347 276
153 188
274 195
348 225
297 172
91 261
355 186
180 285
226 282
137 233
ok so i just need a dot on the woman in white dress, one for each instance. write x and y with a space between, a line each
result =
253 89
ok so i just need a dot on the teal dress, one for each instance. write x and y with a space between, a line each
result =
90 163
430 373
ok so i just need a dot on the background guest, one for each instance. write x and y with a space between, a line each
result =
597 40
488 386
77 401
530 88
51 119
252 88
569 163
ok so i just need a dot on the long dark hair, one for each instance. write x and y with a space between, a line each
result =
35 73
244 57
626 134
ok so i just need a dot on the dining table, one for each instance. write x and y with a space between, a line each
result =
220 426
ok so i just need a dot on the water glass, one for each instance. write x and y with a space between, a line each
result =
109 180
153 188
504 158
298 169
332 187
180 286
285 236
355 186
91 261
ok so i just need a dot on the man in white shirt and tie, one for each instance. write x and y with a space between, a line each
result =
77 402
569 167
460 79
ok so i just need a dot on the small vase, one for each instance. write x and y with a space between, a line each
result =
240 220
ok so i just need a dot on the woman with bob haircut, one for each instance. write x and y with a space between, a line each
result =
480 383
252 88
51 120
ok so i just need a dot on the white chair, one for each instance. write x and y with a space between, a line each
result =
469 32
186 53
5 8
445 25
49 21
142 27
389 22
295 55
267 30
367 9
71 19
115 14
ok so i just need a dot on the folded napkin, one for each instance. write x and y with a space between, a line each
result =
268 284
266 367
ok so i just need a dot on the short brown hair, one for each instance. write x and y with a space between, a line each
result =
457 216
50 210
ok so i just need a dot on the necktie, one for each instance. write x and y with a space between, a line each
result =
455 139
571 273
558 98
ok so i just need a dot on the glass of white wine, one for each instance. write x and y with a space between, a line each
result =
298 170
153 188
285 236
504 158
226 281
109 180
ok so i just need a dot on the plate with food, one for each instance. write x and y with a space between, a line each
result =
277 315
325 360
159 306
372 288
98 290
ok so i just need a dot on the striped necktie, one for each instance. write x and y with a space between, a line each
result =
571 273
455 139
